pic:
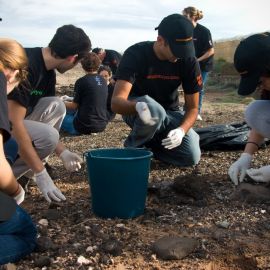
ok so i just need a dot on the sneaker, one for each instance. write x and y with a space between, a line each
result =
199 118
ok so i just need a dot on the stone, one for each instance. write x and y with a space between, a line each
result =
174 247
42 261
249 193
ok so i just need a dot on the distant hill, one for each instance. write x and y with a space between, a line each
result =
225 48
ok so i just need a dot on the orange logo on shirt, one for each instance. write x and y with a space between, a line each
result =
163 77
199 79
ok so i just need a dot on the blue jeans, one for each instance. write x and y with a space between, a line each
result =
11 150
204 78
187 154
67 124
17 237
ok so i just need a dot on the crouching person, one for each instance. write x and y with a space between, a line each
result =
17 231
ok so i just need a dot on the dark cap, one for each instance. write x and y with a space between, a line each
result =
252 60
178 31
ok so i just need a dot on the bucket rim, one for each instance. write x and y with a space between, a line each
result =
148 153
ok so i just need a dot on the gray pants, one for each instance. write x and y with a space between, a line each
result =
257 116
42 125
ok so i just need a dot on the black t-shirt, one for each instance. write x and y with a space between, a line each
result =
109 99
110 113
203 42
4 123
40 82
112 59
91 94
7 204
156 78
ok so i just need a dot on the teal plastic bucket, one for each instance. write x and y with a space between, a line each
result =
118 180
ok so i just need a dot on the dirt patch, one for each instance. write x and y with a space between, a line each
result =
231 234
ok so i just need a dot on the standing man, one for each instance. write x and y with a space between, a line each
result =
146 93
203 47
36 114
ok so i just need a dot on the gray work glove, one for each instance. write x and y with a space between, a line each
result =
260 175
48 188
174 138
71 161
239 168
145 114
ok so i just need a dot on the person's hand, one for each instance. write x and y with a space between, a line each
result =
66 98
174 138
260 175
71 161
19 198
145 114
240 167
48 188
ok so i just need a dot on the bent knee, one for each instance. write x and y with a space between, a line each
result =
52 137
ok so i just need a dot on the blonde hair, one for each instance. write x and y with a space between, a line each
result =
13 56
193 12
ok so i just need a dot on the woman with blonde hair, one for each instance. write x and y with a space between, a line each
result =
17 231
203 47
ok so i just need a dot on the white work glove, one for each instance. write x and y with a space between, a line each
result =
260 175
174 138
240 167
66 98
48 188
71 161
145 114
20 197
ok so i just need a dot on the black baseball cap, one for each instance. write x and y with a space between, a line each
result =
252 60
178 31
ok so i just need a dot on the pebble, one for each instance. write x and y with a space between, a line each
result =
91 249
76 245
120 225
43 222
82 260
113 247
42 261
223 224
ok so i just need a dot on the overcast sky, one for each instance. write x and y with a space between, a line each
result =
118 24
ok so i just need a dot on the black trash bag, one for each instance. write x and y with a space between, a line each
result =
224 137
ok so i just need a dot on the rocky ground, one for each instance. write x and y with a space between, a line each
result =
223 227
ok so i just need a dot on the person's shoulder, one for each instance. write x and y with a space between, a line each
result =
82 79
190 61
143 46
202 28
35 58
33 52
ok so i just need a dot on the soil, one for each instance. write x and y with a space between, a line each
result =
73 229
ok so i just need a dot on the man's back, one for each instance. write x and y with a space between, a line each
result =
91 93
